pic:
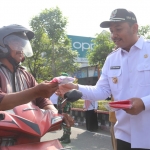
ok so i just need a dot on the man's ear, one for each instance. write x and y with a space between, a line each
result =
135 28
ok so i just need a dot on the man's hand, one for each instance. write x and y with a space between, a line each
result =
45 89
64 88
137 106
95 110
68 119
84 109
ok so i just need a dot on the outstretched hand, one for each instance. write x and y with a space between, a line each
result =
46 89
64 88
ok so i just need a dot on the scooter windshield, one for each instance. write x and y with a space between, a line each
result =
19 42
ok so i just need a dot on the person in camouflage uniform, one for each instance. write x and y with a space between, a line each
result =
64 108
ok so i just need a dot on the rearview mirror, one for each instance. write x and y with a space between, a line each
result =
72 95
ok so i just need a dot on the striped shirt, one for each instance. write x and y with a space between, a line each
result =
18 81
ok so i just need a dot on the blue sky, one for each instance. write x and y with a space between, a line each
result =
84 16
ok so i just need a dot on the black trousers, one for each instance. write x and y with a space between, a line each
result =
122 145
91 120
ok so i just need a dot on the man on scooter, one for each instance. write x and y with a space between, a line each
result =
17 86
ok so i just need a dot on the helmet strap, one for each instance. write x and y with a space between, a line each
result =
12 60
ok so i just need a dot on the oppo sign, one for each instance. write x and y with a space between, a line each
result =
81 44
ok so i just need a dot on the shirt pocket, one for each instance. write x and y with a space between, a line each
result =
143 74
114 77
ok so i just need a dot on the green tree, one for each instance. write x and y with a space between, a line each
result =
102 47
145 31
51 46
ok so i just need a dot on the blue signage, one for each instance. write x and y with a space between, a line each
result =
81 44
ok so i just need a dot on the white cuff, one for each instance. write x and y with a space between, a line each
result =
146 101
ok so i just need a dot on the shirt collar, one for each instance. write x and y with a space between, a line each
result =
139 43
18 66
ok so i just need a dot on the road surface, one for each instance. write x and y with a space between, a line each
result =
84 140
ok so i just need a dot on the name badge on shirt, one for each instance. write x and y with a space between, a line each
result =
115 67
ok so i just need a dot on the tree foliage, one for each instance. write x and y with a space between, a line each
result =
145 31
51 46
102 47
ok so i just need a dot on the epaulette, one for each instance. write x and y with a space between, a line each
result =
113 51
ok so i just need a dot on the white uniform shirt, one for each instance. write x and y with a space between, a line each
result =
54 98
132 70
93 105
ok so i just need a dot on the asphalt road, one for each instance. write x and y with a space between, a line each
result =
84 140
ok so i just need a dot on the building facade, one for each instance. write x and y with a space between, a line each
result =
87 75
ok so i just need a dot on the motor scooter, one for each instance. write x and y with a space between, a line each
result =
22 127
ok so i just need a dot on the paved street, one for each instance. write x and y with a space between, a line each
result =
84 140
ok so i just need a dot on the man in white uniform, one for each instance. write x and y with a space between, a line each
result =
125 75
